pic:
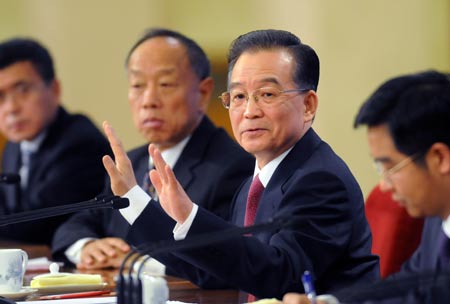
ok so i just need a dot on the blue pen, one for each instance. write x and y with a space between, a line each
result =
309 286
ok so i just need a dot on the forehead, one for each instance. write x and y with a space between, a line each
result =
159 54
19 71
381 144
253 67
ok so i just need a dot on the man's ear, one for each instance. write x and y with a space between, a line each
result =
55 87
206 88
439 156
311 102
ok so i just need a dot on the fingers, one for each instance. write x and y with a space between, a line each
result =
119 244
121 158
165 175
158 162
107 252
295 298
120 171
172 197
114 141
110 166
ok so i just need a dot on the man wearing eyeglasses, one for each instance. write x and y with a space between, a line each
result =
272 102
409 139
170 86
56 154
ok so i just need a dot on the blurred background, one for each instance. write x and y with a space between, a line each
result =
360 44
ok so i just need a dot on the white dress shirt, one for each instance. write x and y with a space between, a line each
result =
28 147
446 226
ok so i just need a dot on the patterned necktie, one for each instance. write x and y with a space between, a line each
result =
254 195
148 186
444 253
253 198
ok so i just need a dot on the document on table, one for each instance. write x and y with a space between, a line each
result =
98 300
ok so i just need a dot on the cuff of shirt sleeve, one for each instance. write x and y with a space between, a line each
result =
328 299
138 201
73 253
151 266
181 230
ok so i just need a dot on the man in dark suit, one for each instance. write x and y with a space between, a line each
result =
409 139
169 89
57 154
272 102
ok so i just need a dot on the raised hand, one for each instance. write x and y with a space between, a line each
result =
172 196
120 171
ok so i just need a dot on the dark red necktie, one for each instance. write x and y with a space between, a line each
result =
254 195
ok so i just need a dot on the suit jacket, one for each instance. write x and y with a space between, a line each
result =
331 237
210 169
427 254
425 260
67 168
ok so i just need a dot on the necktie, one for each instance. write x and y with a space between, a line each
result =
444 253
25 168
254 195
148 186
253 198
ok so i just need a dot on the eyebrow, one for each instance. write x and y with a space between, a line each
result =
163 71
263 80
383 159
16 84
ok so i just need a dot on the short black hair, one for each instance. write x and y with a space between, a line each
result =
415 108
306 74
26 49
197 57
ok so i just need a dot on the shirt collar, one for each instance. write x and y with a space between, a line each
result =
34 144
265 173
446 226
172 154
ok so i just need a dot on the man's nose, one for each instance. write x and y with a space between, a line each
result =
385 185
252 107
151 97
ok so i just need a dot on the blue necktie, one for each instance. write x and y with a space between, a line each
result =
444 252
25 168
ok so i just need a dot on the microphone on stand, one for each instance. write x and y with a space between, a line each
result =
114 202
9 178
129 286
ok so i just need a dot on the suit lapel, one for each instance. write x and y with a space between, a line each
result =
11 164
44 157
193 153
295 159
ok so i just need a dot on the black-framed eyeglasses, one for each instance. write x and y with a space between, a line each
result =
236 98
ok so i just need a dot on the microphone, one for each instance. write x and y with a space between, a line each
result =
9 178
114 202
129 286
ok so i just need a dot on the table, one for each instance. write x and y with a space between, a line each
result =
179 289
